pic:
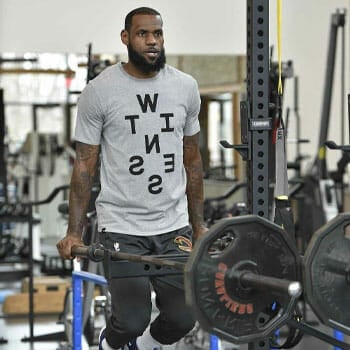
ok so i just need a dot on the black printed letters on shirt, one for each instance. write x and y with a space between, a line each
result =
152 143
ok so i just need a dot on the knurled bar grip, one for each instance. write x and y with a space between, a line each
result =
86 252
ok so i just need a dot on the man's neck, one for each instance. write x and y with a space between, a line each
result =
132 70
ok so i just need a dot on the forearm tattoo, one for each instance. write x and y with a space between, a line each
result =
194 172
84 171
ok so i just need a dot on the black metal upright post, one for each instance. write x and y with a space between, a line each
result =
3 166
259 122
68 122
258 105
297 116
31 272
337 21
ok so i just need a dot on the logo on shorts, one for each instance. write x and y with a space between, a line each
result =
183 243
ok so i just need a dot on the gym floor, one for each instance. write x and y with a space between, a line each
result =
14 329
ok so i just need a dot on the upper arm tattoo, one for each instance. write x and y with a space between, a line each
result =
86 152
191 146
85 163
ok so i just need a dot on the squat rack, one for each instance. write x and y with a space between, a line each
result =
258 106
257 117
256 121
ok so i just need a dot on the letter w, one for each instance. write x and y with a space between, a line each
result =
148 102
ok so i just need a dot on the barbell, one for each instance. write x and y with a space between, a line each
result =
241 279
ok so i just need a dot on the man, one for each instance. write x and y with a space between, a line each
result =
143 117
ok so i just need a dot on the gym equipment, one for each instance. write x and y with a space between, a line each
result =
327 273
215 208
238 292
320 202
299 157
30 219
337 21
243 293
77 287
90 237
23 212
90 327
3 163
256 123
94 65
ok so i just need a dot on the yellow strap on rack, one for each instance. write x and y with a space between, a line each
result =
279 26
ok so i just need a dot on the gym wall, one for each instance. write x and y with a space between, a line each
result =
191 27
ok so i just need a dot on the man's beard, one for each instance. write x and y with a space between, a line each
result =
141 63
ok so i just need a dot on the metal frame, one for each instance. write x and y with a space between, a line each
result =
258 110
3 166
258 104
77 289
337 21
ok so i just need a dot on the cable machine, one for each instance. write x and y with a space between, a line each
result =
322 192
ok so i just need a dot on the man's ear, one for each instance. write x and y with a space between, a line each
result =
124 35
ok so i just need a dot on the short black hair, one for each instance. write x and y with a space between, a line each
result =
139 11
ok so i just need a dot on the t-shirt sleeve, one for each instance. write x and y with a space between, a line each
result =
89 122
192 123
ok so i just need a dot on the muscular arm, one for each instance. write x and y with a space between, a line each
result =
194 189
80 187
84 170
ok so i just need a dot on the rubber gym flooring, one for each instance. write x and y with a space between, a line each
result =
14 329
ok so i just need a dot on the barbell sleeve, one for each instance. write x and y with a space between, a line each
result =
248 279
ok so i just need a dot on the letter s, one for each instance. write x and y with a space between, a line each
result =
155 182
138 162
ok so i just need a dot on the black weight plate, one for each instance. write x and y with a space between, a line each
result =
234 313
326 274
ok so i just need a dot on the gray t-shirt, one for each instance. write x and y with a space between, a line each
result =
140 125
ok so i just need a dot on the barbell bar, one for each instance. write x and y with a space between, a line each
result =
98 253
245 278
